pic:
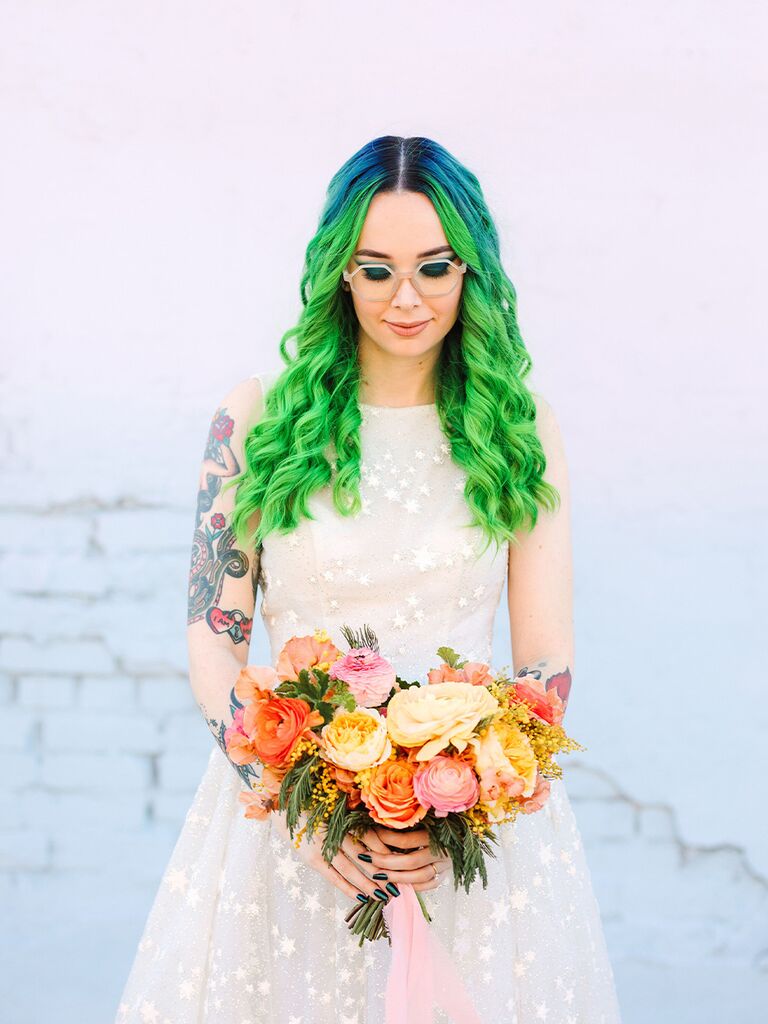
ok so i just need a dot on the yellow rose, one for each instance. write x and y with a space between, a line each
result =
431 717
355 739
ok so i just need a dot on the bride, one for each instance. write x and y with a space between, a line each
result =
396 472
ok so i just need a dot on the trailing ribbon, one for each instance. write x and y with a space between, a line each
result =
422 972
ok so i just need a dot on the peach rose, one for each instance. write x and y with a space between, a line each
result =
315 651
389 795
477 673
355 740
538 798
447 784
431 717
369 676
345 780
254 681
261 802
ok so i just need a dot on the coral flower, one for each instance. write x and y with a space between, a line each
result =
478 673
275 725
545 704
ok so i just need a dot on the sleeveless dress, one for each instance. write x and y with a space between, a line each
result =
243 932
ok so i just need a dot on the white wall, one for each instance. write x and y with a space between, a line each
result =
164 167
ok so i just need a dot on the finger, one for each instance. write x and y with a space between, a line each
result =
405 840
373 842
355 877
402 861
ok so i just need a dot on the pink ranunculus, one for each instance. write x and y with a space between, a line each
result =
447 784
538 797
368 676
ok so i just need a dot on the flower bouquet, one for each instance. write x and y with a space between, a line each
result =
343 740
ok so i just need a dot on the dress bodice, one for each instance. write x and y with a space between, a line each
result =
409 565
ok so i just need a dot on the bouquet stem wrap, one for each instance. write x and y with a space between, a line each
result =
422 971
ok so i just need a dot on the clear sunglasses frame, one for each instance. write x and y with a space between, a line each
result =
398 275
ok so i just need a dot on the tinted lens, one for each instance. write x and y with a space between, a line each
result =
436 277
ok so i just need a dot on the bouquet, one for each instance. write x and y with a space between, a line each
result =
342 740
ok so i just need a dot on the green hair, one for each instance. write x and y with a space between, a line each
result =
486 411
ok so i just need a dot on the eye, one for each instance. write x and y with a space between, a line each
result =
376 273
439 268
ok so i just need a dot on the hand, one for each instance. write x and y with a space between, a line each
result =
346 872
420 867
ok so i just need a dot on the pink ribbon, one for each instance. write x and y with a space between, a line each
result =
422 972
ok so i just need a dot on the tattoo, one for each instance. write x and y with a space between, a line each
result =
218 462
234 622
214 556
560 681
247 772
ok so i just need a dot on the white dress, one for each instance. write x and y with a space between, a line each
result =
243 932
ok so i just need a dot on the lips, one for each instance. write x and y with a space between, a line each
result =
413 323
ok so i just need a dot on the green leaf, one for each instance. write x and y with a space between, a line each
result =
450 657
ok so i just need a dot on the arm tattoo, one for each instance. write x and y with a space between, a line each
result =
214 556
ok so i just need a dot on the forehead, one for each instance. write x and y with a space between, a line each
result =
401 225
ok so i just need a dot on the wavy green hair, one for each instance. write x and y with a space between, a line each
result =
486 411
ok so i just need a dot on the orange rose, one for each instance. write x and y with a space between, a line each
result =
389 795
307 652
275 725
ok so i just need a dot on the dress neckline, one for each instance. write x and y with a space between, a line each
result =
397 408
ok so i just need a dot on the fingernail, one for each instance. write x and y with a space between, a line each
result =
380 874
393 888
362 897
366 857
381 895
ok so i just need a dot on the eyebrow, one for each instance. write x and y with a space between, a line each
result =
383 255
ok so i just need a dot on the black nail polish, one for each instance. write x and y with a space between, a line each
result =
381 895
362 897
393 888
366 857
381 874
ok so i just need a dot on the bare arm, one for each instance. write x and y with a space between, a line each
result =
222 577
540 589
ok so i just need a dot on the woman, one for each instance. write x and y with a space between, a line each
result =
395 473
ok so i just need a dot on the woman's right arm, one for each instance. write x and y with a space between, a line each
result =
222 577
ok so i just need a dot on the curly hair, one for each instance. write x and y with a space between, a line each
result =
486 411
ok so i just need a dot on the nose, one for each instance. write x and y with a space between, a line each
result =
406 295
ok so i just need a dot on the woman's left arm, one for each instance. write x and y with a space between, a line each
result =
540 583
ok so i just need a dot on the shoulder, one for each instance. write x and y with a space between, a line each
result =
244 402
551 437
